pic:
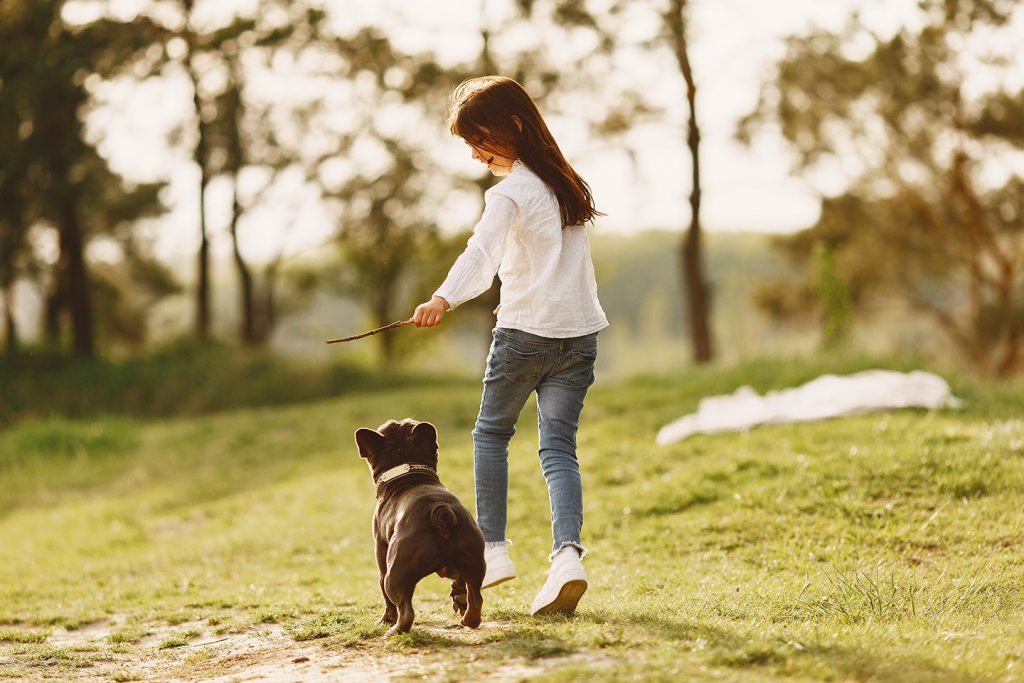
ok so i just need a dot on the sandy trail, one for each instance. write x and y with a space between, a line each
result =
267 653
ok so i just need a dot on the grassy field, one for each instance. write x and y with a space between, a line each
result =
236 546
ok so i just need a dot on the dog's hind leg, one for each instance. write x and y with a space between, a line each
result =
390 615
400 586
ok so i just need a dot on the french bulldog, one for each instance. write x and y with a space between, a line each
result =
419 526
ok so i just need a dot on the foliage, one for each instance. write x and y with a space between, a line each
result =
50 177
835 300
384 236
240 135
928 210
125 293
236 134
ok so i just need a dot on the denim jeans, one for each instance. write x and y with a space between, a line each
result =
560 371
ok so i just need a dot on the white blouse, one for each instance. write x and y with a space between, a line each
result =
547 275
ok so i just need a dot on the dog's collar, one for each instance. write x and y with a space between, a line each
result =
400 471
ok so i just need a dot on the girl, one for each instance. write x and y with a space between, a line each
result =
533 235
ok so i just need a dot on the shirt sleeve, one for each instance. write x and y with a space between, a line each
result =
474 270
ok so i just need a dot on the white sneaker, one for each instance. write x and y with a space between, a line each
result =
566 584
499 566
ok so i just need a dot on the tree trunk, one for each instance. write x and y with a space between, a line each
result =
1009 364
76 279
199 155
491 299
203 268
10 328
266 314
248 327
53 307
691 255
383 303
236 156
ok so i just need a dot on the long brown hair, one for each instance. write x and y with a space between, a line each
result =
496 114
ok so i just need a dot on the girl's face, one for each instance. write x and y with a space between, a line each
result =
496 163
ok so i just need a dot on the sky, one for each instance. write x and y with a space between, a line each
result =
734 44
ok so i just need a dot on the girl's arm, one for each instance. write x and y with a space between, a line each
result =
474 270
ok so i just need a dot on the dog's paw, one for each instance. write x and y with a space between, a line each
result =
459 604
459 596
394 630
388 618
471 621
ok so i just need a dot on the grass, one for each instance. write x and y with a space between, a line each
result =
885 547
185 378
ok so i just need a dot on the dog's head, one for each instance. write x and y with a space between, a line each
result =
397 443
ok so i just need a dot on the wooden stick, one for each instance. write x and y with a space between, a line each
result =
398 323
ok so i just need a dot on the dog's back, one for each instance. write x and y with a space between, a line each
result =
433 514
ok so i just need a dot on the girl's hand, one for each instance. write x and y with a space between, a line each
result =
429 313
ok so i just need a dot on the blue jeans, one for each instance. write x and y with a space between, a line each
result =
560 371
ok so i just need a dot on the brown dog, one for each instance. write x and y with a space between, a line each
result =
419 527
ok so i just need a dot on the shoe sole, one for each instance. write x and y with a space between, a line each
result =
568 597
498 581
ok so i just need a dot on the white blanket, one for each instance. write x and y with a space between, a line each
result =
821 398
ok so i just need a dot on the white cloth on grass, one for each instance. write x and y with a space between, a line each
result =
824 397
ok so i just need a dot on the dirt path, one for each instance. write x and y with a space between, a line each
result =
268 653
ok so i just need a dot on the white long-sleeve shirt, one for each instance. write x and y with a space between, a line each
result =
547 275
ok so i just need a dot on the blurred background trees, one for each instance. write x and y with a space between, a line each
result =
293 111
54 184
930 214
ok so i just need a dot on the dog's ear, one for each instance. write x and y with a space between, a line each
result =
369 441
424 435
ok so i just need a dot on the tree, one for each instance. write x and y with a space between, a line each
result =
929 212
46 64
200 154
14 213
122 291
691 255
236 132
384 234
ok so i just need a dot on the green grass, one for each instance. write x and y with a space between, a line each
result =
886 547
182 379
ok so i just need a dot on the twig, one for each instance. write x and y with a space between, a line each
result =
398 323
209 642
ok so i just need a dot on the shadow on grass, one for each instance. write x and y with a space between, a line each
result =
520 637
516 637
735 649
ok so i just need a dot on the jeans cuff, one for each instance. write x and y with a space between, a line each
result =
563 544
497 544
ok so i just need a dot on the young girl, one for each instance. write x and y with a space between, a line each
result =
533 235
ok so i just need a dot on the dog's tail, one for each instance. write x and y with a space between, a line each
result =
442 516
